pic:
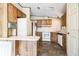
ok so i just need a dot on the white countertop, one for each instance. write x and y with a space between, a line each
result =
27 38
63 31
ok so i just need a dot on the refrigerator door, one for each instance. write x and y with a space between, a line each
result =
22 27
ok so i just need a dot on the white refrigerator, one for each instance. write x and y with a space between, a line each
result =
21 27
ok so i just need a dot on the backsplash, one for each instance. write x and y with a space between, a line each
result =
12 25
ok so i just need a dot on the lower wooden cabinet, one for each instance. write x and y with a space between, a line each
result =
17 47
54 37
64 42
39 34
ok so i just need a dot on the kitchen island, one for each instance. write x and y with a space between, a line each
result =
27 45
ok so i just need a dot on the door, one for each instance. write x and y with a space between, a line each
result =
72 29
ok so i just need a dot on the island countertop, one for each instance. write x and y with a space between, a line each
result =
27 38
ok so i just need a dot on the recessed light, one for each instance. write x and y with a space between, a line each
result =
38 7
51 7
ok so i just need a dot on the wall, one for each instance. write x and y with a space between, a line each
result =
0 20
3 19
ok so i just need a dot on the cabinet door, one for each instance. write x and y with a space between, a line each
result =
19 14
12 13
15 14
39 34
54 37
49 22
64 42
39 22
44 22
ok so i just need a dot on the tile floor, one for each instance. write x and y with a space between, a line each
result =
46 48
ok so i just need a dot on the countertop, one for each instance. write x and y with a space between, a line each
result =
27 38
63 31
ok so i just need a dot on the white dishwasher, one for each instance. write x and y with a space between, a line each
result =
60 39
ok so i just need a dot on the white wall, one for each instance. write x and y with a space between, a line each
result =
1 11
4 20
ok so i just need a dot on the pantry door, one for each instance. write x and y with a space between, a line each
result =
72 29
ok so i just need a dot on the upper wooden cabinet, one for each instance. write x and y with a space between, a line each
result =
20 14
63 20
45 22
14 13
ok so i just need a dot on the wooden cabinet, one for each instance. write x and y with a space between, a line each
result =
16 47
44 22
20 14
39 34
64 41
39 43
12 13
63 20
54 37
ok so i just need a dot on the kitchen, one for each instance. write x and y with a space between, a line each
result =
36 29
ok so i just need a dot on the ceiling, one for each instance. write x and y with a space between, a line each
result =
45 9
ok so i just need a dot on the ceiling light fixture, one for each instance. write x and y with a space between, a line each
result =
38 7
51 8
